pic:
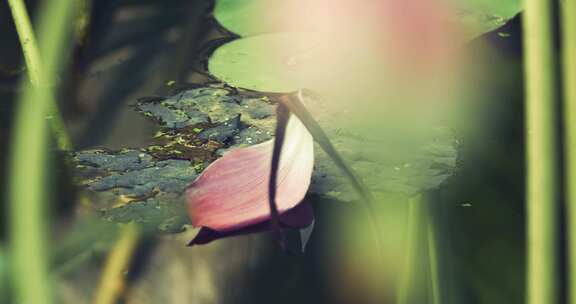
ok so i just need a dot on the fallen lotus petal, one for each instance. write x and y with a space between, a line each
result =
301 216
231 196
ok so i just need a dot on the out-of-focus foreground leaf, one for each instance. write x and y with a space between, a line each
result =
253 17
373 147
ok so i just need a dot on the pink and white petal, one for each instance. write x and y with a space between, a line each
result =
232 192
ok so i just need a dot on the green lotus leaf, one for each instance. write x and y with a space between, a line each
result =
481 16
252 17
243 16
260 63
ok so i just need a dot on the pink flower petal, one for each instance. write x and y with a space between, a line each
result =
232 193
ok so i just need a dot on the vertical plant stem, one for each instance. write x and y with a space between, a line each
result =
27 39
541 158
4 269
406 286
27 190
431 236
35 71
421 259
568 14
282 117
112 283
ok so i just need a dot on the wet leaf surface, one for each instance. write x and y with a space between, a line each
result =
132 185
147 185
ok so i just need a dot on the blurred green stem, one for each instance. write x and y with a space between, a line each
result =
568 11
35 70
112 283
4 270
27 39
421 258
541 158
434 271
406 286
27 190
